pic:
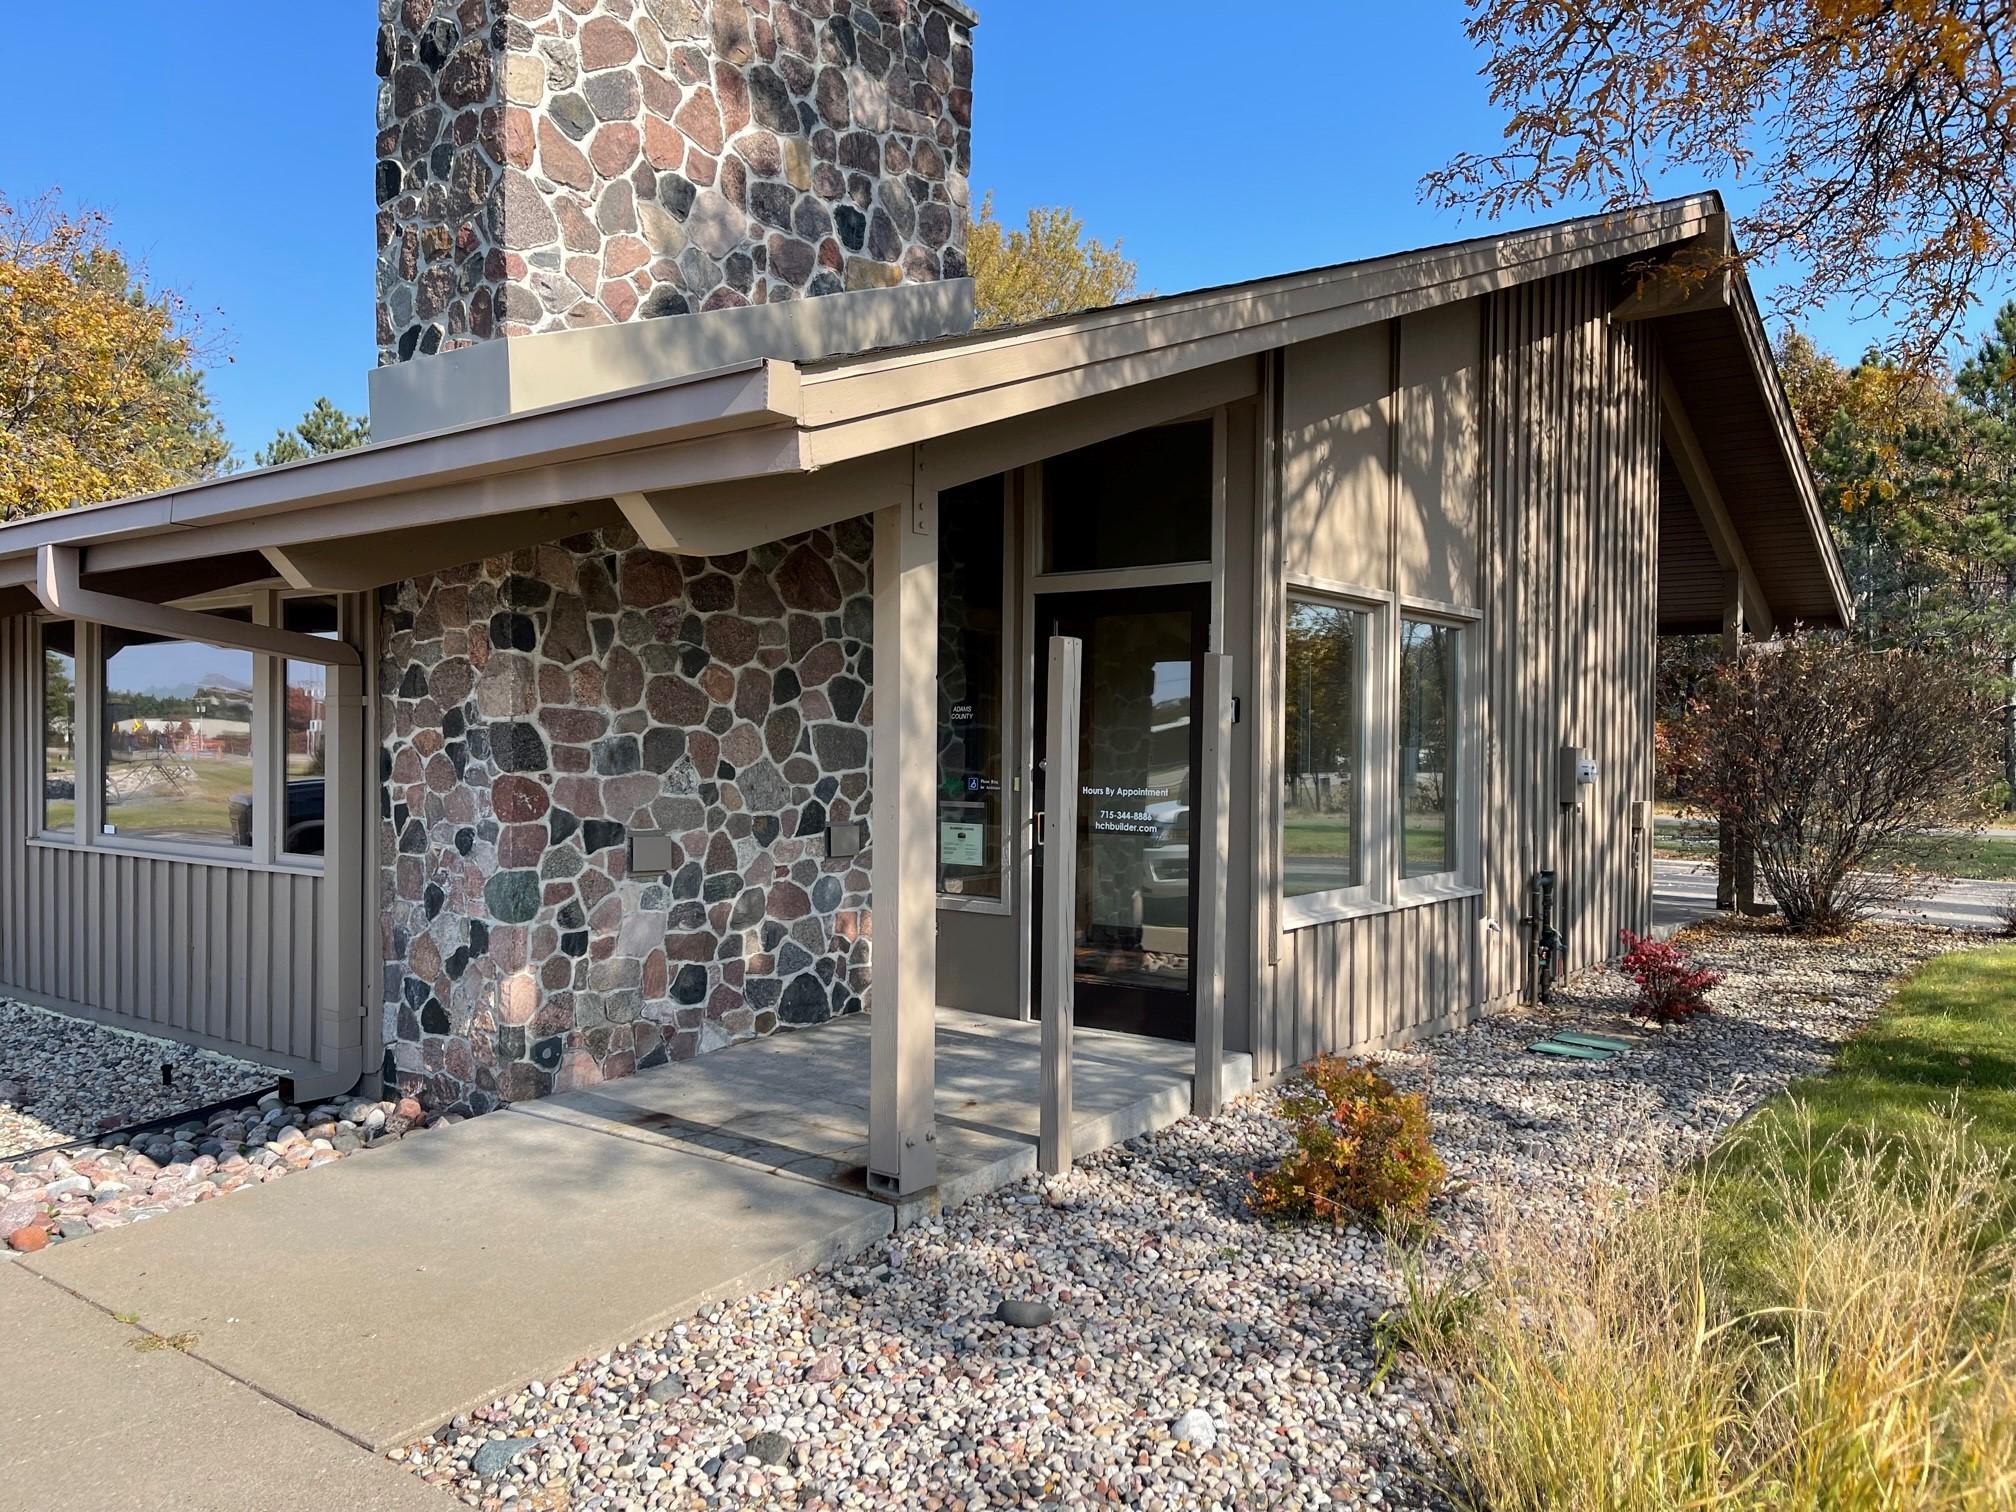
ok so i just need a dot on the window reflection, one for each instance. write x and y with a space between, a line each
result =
178 739
1428 757
304 727
1321 824
970 649
59 725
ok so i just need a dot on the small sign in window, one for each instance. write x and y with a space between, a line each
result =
962 844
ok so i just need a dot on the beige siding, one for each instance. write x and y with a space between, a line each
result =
1523 467
217 954
1435 516
1337 494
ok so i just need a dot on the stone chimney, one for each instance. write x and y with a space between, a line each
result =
552 165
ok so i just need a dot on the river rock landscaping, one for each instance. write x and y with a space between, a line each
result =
1159 1347
71 1193
64 1079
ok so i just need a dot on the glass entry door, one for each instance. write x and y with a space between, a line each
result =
1137 757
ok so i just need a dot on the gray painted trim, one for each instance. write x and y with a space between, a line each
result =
497 379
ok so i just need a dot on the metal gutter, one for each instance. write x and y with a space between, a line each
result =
749 397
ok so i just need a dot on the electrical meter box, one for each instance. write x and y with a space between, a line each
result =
1578 770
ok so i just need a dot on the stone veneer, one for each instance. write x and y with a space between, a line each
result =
552 164
536 709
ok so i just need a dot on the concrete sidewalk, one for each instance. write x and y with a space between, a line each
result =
382 1295
96 1414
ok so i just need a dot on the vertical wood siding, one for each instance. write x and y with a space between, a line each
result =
1567 542
227 956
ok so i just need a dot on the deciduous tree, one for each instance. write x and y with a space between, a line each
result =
1050 267
101 394
1821 754
1880 130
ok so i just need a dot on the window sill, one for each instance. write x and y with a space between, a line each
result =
187 855
1415 894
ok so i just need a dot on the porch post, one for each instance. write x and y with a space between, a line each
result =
1211 833
1735 880
1059 839
902 1137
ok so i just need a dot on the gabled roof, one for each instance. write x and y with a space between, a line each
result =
772 419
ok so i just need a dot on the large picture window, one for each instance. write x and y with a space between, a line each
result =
178 758
59 726
1323 750
1429 760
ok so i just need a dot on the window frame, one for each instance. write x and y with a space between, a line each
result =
1003 906
1462 876
1371 892
38 826
268 749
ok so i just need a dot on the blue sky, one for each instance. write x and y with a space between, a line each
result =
234 154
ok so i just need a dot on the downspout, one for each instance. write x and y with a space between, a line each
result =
339 1040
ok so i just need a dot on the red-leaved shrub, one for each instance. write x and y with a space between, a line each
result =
1671 987
1361 1149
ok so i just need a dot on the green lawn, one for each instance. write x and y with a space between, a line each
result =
1987 858
1947 1040
200 811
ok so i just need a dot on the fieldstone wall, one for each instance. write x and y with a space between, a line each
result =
551 164
540 706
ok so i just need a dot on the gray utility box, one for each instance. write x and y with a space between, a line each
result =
649 853
1577 771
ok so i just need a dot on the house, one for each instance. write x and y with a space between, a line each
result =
692 619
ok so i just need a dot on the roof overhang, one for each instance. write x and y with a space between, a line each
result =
751 452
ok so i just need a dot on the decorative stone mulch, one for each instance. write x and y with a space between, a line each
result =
1160 1348
70 1194
64 1079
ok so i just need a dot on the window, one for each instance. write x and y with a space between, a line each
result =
303 729
59 725
1429 758
1322 802
971 631
1139 500
178 762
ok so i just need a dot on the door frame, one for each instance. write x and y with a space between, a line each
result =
1026 500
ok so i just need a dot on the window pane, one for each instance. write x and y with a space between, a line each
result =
1138 500
303 725
59 725
969 691
1428 773
178 740
1321 827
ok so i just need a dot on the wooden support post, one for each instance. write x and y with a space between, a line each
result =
1060 901
902 1131
1211 833
1733 886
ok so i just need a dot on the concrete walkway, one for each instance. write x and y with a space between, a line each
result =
97 1414
1683 891
381 1295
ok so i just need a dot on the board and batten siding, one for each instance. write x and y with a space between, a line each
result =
221 955
1501 455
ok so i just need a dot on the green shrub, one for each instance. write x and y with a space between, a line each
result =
1362 1150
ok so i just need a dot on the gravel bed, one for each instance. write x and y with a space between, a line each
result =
1130 1335
74 1193
64 1078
